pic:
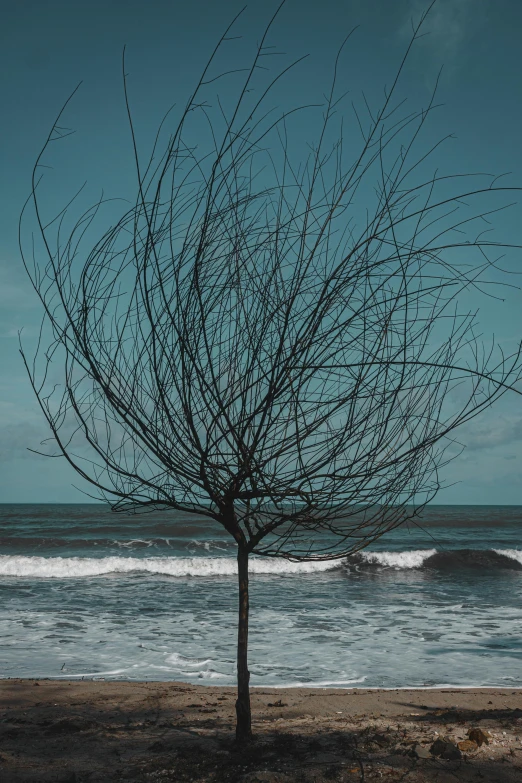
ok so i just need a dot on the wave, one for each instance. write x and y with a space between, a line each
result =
76 567
514 554
448 560
321 684
81 567
188 663
412 559
485 559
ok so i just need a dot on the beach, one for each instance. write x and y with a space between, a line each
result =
71 731
118 653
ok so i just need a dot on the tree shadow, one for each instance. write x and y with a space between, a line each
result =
70 739
449 715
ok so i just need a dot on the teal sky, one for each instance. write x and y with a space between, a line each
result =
48 47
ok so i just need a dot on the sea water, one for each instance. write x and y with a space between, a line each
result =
88 593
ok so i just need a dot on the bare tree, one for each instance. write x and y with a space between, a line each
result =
274 347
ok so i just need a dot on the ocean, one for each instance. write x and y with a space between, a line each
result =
88 593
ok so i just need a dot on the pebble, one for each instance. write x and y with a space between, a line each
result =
422 752
445 749
479 736
467 746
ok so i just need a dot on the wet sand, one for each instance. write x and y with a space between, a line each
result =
77 731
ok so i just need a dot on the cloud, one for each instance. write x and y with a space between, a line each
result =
492 436
448 26
26 331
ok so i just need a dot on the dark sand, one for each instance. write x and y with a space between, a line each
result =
76 731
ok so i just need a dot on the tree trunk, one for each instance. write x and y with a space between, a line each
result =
243 716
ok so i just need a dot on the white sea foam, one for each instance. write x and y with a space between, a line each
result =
514 554
413 559
319 684
187 663
210 674
76 567
95 675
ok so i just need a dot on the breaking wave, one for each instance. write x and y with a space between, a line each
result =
76 567
81 567
413 559
514 554
448 560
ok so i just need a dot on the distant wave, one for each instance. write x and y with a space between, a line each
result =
75 567
25 544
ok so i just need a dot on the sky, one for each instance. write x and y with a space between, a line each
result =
48 48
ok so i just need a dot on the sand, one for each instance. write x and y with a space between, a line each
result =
75 731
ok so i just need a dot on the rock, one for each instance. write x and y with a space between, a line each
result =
478 736
277 704
445 749
437 747
452 752
421 752
467 746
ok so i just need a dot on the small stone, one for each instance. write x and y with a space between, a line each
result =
467 746
422 752
445 749
479 736
437 747
451 752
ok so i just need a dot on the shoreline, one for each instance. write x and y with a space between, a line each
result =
74 731
93 678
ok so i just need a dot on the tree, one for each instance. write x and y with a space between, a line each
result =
274 356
